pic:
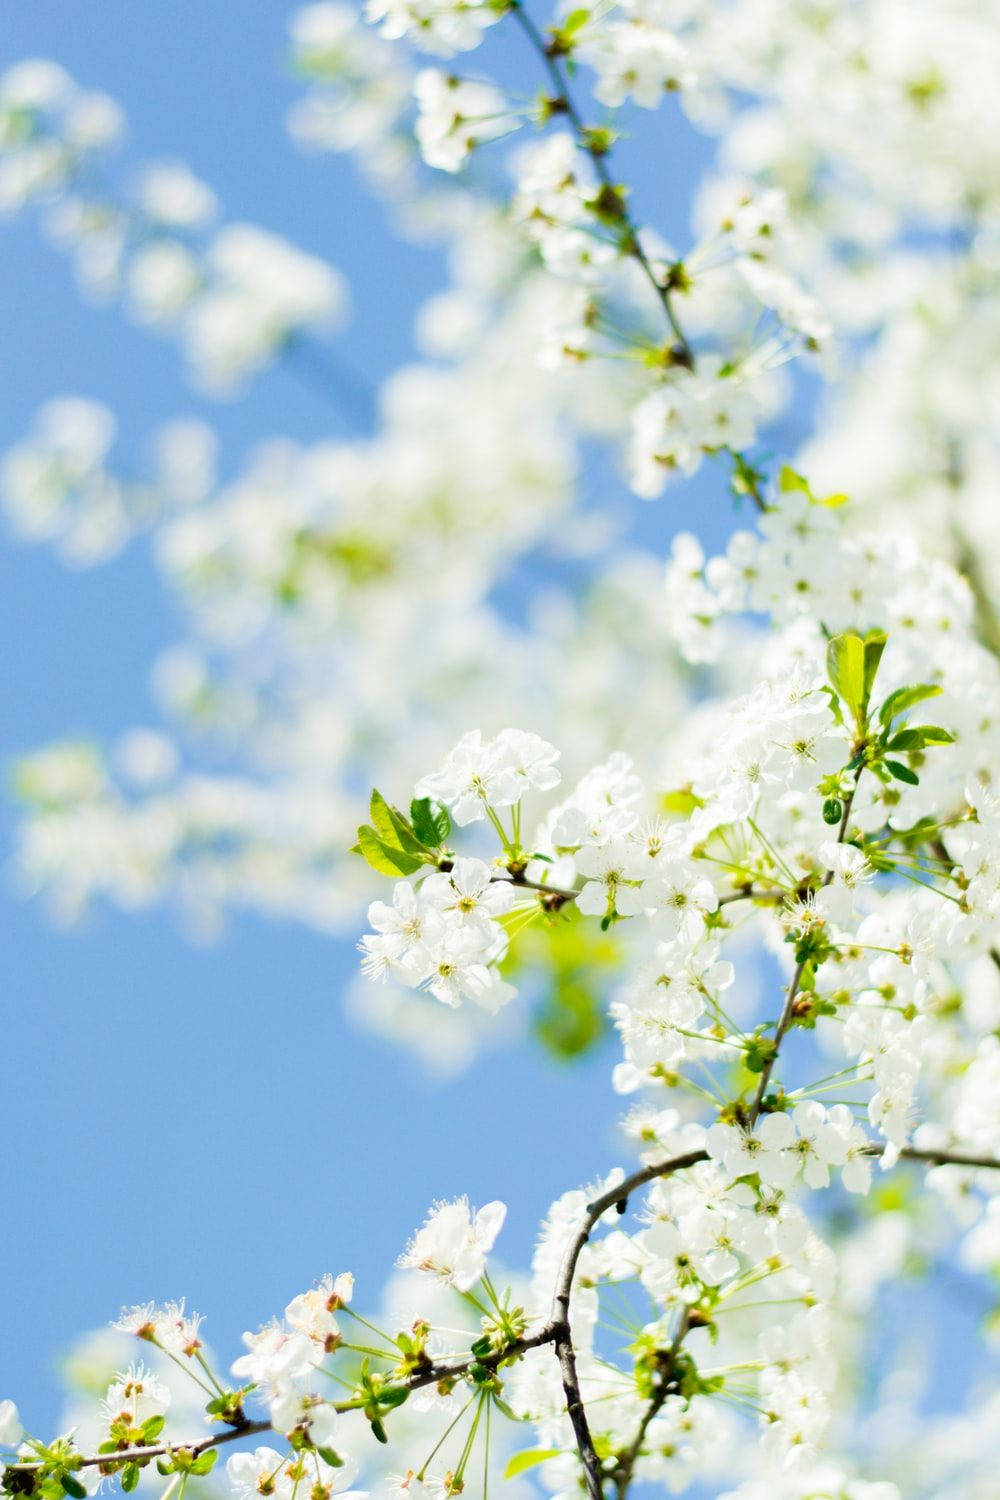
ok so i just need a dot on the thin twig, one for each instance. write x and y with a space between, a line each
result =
788 1009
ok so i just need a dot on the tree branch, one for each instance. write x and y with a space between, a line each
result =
682 354
557 1331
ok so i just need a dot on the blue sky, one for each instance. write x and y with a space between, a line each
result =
184 1121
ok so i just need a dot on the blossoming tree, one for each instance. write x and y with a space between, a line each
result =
749 810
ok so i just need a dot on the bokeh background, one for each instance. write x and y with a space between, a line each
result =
205 1121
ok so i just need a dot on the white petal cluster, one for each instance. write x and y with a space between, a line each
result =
444 936
440 26
454 1242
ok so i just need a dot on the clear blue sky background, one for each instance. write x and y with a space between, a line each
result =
179 1121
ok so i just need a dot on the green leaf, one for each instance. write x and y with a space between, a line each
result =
906 739
74 1487
875 643
152 1428
789 480
574 22
919 736
519 1463
386 860
431 822
833 810
392 828
130 1477
845 663
902 773
331 1457
904 698
852 663
378 1431
205 1462
481 1347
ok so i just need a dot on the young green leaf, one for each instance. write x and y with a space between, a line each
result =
431 822
904 698
519 1463
902 773
845 663
392 828
875 643
383 858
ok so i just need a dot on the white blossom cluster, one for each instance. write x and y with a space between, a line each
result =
233 296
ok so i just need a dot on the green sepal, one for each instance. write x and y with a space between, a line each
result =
759 1051
504 1409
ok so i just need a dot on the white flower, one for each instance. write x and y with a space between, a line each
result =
169 1326
267 1472
135 1396
820 1144
454 1242
613 872
11 1431
276 1356
497 772
453 963
681 898
440 26
455 116
762 1149
851 870
313 1312
469 891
